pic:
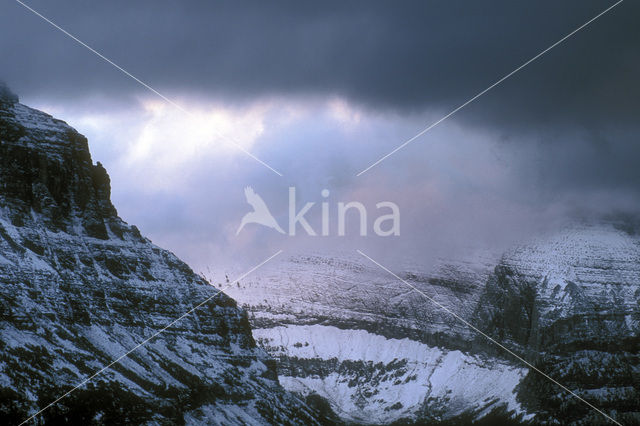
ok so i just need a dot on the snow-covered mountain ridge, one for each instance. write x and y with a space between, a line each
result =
79 288
568 302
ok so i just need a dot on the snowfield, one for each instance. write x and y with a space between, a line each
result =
410 374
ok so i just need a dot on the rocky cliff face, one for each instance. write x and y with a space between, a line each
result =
79 287
379 352
570 303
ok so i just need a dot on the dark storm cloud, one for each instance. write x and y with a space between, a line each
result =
580 100
408 55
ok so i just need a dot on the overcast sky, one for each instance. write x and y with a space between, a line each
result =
321 90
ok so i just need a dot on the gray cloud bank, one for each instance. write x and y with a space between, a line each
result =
560 135
412 56
392 56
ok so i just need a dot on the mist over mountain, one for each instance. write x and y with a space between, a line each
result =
350 343
503 134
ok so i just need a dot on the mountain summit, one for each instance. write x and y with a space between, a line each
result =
79 288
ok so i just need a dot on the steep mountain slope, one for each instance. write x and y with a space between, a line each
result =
568 302
79 288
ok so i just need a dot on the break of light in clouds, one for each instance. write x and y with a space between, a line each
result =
183 186
320 91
